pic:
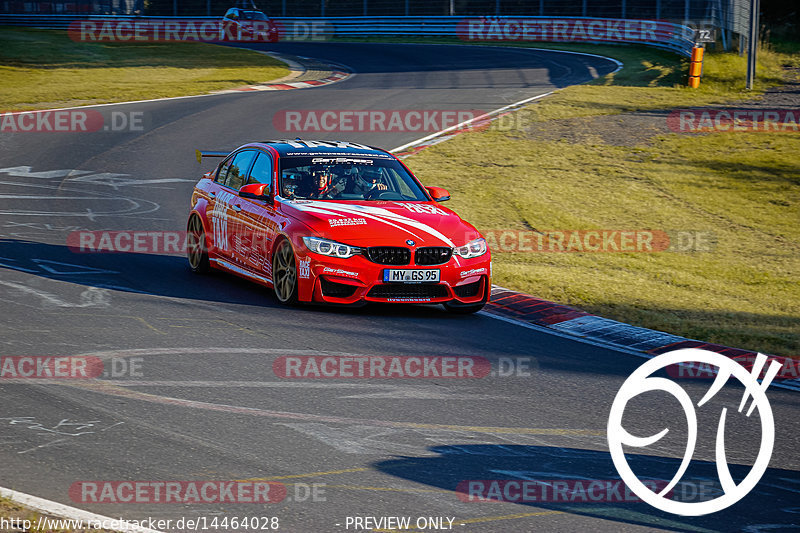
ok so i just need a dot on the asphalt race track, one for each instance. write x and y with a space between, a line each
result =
196 397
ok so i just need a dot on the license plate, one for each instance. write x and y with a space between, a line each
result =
392 275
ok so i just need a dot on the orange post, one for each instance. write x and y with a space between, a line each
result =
696 67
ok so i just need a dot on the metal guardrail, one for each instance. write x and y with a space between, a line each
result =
666 35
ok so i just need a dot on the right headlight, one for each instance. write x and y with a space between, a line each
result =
330 248
472 249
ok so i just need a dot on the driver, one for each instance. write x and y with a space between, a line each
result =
322 186
367 180
292 184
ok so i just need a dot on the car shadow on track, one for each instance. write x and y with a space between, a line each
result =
568 472
165 275
162 275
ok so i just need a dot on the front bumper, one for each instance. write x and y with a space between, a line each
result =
358 280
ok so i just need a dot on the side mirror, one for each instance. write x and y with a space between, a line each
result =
256 191
438 194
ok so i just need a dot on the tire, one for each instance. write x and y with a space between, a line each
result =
196 249
463 309
284 273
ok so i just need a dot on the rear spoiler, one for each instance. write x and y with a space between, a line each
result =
200 154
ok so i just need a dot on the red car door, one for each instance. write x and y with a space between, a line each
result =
226 217
259 220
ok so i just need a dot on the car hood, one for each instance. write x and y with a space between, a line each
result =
382 223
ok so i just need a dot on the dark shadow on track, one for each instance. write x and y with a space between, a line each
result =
766 504
168 275
163 275
562 69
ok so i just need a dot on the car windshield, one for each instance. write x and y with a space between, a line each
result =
347 178
253 15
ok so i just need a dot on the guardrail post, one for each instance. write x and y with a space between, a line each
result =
696 67
752 42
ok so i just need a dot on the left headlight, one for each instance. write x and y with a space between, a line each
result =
330 248
472 249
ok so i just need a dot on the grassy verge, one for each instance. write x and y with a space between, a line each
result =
45 69
741 187
16 514
663 73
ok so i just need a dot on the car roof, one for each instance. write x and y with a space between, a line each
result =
243 10
302 147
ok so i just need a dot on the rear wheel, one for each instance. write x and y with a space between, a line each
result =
284 273
196 249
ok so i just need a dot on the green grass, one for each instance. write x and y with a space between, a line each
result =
17 513
45 69
663 72
659 82
741 187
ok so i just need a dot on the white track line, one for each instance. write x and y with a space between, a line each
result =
221 93
71 513
788 385
499 110
470 121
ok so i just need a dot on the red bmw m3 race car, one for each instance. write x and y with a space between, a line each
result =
334 222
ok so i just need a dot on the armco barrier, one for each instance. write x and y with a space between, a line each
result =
661 34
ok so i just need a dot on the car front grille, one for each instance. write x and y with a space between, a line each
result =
468 290
336 290
408 290
433 255
388 255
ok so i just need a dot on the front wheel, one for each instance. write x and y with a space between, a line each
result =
460 309
196 249
284 273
